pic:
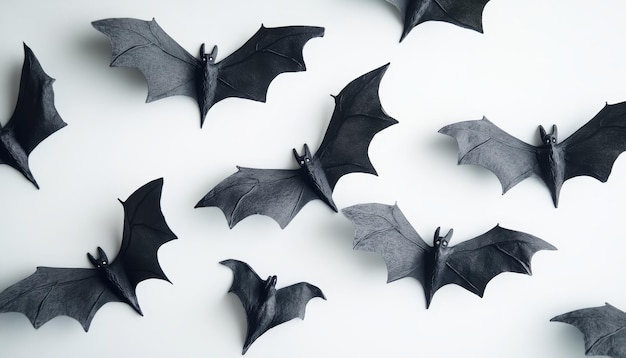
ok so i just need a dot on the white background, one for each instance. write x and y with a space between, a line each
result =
538 62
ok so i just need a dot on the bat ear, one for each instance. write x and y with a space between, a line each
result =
542 132
554 132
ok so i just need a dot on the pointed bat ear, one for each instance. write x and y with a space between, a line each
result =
307 151
554 132
449 235
542 132
436 236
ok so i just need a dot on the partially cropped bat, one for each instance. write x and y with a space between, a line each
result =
471 264
34 118
590 151
170 70
80 292
464 13
265 306
281 193
604 329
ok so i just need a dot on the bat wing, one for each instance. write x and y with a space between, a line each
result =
473 263
464 13
603 329
51 292
247 285
247 72
482 143
593 148
169 69
291 301
145 230
34 118
357 117
279 194
384 229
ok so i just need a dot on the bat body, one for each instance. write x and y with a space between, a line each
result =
603 328
265 306
471 264
281 193
590 151
464 13
34 118
170 70
80 292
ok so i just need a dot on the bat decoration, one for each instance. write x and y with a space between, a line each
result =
471 264
281 193
170 70
590 151
604 329
34 118
464 13
265 306
80 292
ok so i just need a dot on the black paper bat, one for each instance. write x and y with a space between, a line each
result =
464 13
590 151
604 329
34 118
80 292
170 70
281 193
471 264
265 306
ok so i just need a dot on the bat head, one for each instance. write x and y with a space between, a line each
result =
208 57
548 138
442 241
102 259
305 159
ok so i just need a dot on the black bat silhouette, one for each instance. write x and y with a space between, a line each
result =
471 264
604 329
464 13
281 193
265 306
80 292
590 151
34 118
170 70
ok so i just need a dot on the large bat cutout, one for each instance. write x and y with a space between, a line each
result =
265 306
464 13
604 329
34 118
590 151
170 70
281 193
471 264
80 292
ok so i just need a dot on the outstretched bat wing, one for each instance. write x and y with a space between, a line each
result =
604 329
277 193
51 292
357 117
145 230
291 301
383 229
34 118
593 148
168 68
464 13
482 143
247 285
247 72
473 263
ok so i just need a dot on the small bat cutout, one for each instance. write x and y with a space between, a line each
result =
471 264
265 306
604 329
464 13
170 70
281 193
80 292
590 151
34 118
